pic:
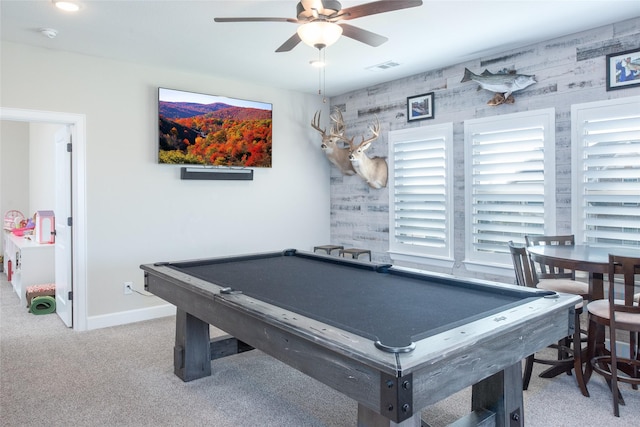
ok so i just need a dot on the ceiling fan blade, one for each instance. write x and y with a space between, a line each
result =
377 7
364 36
289 44
294 21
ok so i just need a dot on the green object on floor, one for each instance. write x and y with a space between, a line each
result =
43 305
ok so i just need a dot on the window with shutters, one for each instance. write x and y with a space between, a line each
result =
509 183
421 204
606 172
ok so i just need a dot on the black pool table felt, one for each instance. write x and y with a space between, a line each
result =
395 309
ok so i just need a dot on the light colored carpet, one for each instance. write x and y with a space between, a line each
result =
123 376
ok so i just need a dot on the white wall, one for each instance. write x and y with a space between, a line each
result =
42 169
27 167
14 167
139 211
14 163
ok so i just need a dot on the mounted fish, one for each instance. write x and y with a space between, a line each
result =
503 84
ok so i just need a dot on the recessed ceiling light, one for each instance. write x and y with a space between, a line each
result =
317 63
67 6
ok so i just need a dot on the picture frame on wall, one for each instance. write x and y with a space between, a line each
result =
420 107
623 69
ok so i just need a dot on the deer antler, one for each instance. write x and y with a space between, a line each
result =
339 128
316 124
375 130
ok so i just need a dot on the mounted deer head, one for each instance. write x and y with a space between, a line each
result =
373 170
335 152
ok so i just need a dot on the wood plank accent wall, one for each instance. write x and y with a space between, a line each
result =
569 70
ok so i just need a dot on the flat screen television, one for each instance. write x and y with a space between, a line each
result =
208 130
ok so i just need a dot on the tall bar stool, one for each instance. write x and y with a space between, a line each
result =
568 358
618 313
568 283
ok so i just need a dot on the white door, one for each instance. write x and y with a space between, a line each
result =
63 252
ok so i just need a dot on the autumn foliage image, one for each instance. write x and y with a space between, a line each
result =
215 133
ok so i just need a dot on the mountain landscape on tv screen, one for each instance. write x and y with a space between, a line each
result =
215 134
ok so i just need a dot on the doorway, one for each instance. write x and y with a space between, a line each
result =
76 124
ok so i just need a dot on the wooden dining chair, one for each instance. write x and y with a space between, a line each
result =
568 239
549 271
620 312
570 349
544 272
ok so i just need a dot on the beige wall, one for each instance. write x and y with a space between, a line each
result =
139 211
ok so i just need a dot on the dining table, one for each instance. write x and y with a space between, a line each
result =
587 258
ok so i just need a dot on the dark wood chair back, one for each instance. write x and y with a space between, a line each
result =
525 273
621 298
546 271
568 239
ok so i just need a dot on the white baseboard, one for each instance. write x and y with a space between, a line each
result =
132 316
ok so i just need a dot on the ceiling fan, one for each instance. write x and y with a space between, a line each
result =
321 22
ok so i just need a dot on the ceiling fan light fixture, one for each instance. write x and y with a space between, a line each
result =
319 34
67 6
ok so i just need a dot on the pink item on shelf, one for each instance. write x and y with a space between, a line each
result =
10 218
45 227
20 231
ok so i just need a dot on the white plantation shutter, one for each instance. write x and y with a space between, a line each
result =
421 217
510 181
606 164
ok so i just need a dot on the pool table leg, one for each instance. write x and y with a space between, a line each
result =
192 351
501 393
496 400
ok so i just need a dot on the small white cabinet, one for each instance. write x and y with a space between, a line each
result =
31 263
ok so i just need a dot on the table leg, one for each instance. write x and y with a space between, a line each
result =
192 351
501 393
596 334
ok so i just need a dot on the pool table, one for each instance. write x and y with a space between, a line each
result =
394 340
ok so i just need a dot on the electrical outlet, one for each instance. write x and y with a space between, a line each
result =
128 288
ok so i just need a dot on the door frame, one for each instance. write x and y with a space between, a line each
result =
77 123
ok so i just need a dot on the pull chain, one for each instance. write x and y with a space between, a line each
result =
322 80
324 76
320 67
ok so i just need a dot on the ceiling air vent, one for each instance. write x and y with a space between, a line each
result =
383 66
